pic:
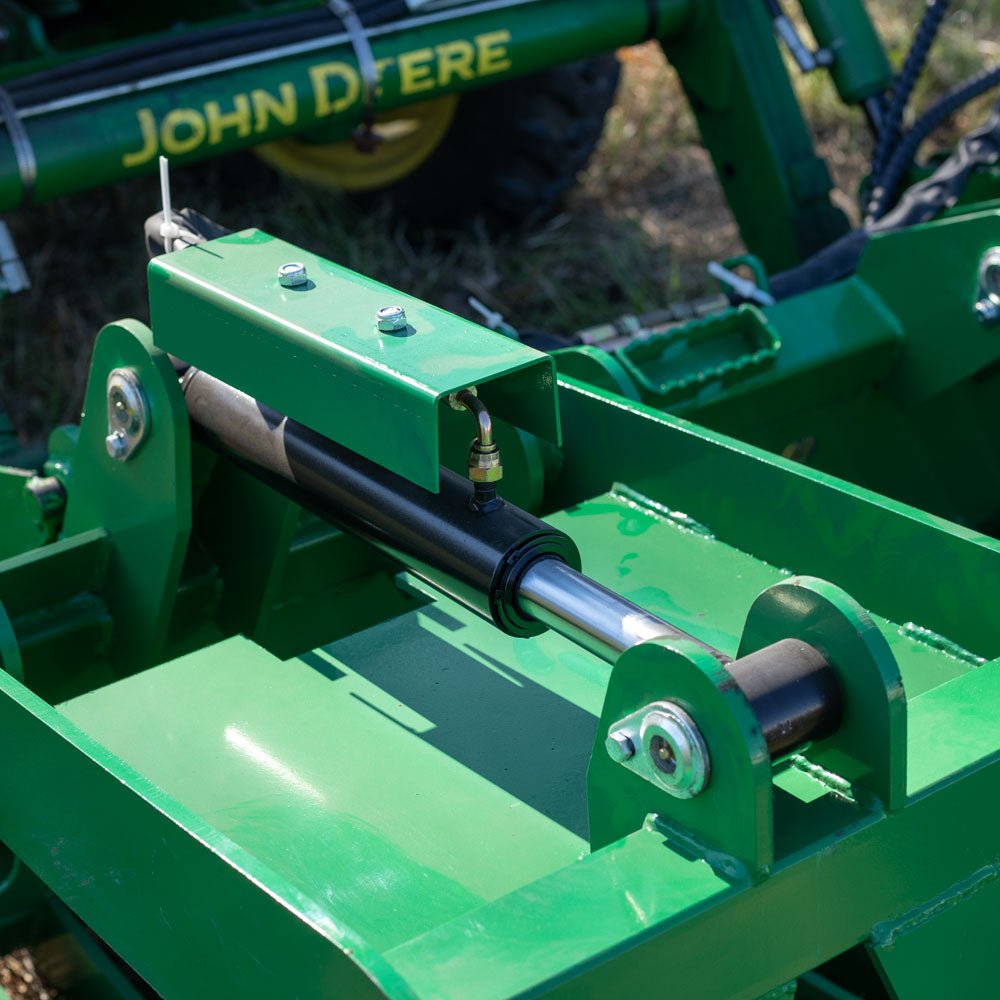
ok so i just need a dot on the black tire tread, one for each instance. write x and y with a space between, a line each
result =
513 150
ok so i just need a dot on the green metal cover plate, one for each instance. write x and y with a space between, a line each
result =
314 352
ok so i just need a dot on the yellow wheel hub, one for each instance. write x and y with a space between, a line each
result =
408 137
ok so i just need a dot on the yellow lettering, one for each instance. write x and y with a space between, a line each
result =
455 59
265 106
181 117
415 71
492 53
381 65
321 75
238 118
147 125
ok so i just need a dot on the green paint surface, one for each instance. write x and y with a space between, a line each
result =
314 352
428 766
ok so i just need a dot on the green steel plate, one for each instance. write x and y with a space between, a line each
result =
314 352
412 774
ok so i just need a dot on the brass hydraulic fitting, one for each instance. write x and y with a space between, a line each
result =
485 467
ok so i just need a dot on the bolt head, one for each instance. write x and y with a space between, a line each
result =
987 312
390 318
675 748
292 274
117 445
120 412
619 746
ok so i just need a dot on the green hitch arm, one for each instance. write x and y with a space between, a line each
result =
732 70
88 139
860 67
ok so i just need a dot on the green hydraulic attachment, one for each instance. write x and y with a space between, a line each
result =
725 697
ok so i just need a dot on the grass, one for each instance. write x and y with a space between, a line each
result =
636 233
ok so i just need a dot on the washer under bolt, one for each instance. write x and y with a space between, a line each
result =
292 274
390 318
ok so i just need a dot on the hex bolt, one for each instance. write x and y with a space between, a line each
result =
292 274
117 444
619 746
390 318
674 746
987 312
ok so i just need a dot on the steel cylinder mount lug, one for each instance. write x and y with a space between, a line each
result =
128 414
988 291
662 744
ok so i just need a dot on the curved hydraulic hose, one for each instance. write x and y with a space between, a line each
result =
912 68
904 153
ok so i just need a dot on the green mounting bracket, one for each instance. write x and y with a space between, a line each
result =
869 748
730 823
927 276
144 503
315 352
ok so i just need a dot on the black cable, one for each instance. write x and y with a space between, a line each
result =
181 51
131 52
913 66
924 201
906 150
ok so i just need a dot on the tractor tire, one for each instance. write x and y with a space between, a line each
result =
506 154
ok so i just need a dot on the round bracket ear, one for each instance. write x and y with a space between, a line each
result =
141 498
869 748
729 819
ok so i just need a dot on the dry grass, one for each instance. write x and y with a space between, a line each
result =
637 232
20 979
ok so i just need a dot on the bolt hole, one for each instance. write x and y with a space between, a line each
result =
663 754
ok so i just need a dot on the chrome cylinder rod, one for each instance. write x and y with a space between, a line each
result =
591 615
789 684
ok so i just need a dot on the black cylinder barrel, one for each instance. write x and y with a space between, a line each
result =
793 691
480 558
475 557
